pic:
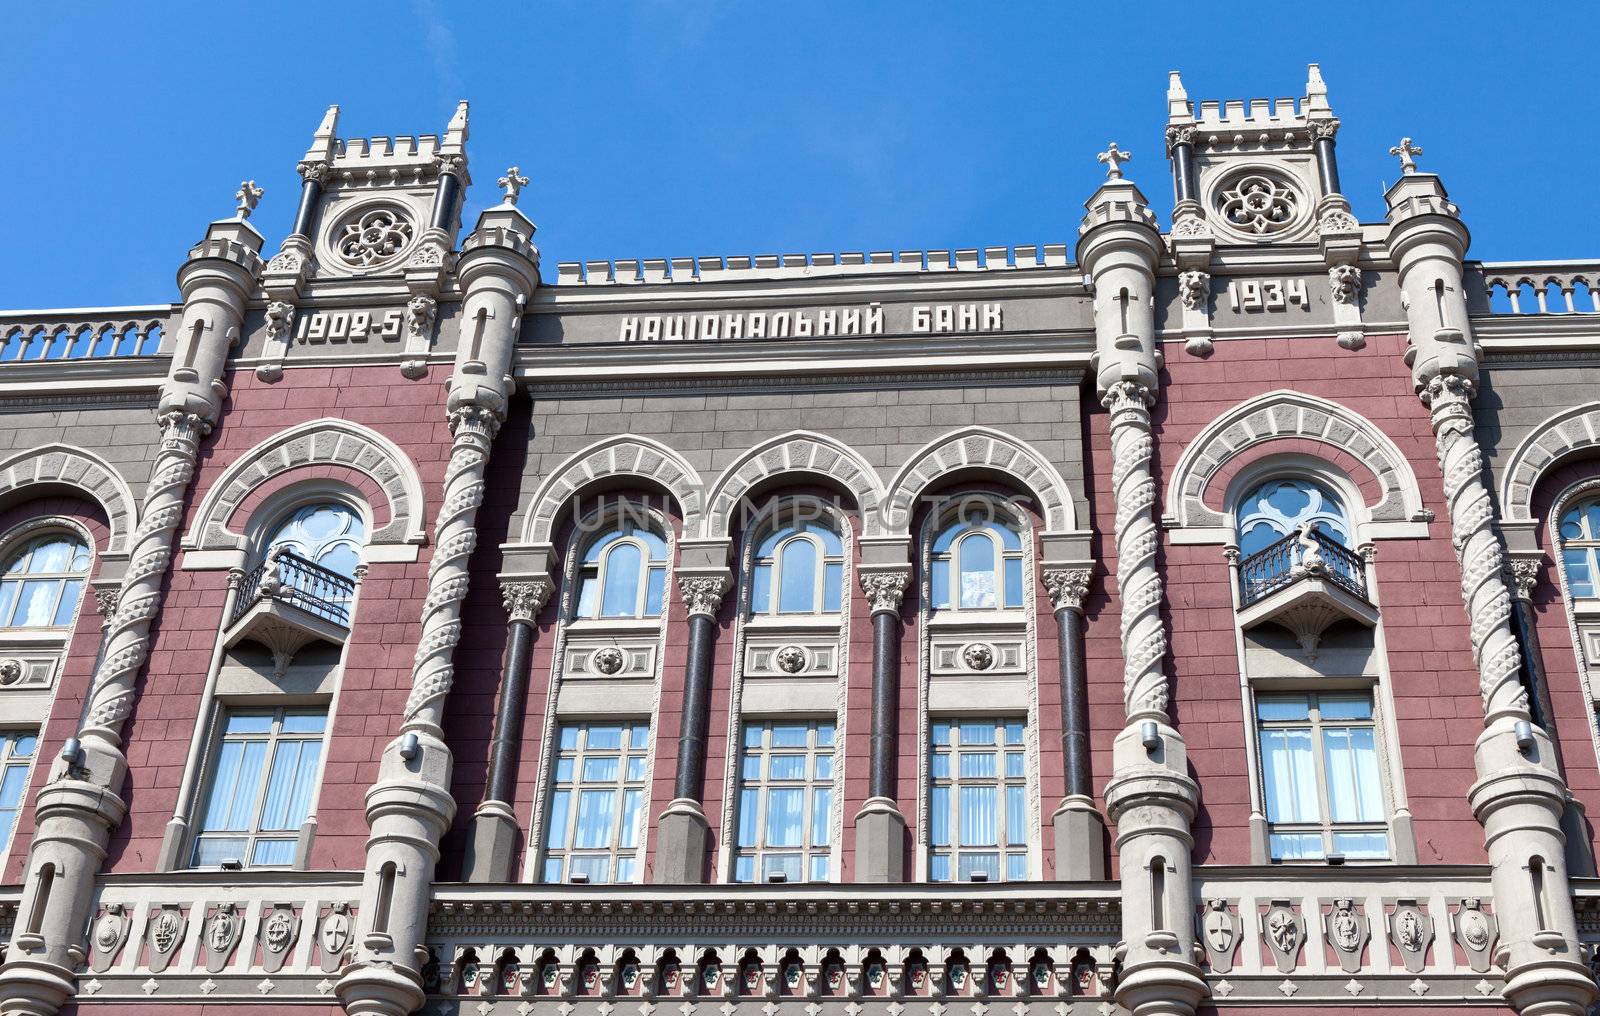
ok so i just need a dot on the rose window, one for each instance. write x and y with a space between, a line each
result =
374 237
1257 203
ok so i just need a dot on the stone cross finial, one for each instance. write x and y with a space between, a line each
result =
248 196
1114 157
1408 153
513 182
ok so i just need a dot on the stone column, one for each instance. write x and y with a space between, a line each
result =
1080 835
1150 797
410 806
683 843
880 828
1519 796
492 845
80 803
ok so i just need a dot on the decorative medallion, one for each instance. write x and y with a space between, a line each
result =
165 934
919 976
279 929
608 660
790 659
548 974
1347 933
1285 933
510 978
1344 282
875 975
373 236
791 976
958 975
670 978
630 976
591 977
10 671
1219 933
1000 977
978 655
334 936
1039 973
222 934
110 932
1411 930
469 977
1476 931
752 978
709 977
1258 203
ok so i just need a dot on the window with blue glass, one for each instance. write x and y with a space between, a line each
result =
262 781
1278 508
623 573
975 562
1579 534
1320 776
785 802
595 821
978 803
797 568
328 535
41 584
17 750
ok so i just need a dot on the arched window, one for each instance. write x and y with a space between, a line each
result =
1580 540
41 584
327 534
798 569
976 562
623 573
1277 508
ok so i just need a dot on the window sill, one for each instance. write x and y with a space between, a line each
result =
974 620
793 622
614 626
42 637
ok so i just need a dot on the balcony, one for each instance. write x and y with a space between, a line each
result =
288 602
1305 582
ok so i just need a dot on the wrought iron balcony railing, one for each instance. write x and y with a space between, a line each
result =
1301 554
287 576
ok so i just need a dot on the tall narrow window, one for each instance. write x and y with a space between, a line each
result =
262 780
798 569
41 584
785 802
17 749
976 563
594 824
1320 776
1580 541
978 811
623 573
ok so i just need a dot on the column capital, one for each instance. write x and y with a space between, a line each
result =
885 588
1523 571
703 592
524 598
1067 586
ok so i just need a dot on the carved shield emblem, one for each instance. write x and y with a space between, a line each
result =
835 977
510 974
752 977
1347 933
958 975
279 929
110 931
630 975
791 975
1411 931
1219 932
222 934
166 929
1000 976
334 936
1285 934
1475 931
874 976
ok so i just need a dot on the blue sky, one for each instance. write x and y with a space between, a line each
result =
687 128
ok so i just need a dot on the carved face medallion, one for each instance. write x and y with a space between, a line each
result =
608 660
978 655
790 659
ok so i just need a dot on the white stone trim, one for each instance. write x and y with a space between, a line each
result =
1276 415
76 467
623 455
1558 437
795 452
1582 488
987 449
326 441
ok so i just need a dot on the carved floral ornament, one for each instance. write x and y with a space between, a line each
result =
1067 587
372 236
1258 202
702 594
791 659
524 600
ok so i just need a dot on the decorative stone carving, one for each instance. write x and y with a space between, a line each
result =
1285 933
1323 129
427 255
523 600
164 933
420 313
1411 930
702 594
1194 289
279 319
11 671
1068 587
1113 158
221 936
1191 228
791 659
286 262
1344 282
1475 932
1347 932
105 601
884 590
1219 935
1258 202
1180 135
1337 220
1523 571
1144 637
1407 153
373 236
978 655
279 929
608 660
334 936
512 184
248 196
107 936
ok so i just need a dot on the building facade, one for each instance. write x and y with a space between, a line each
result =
1196 615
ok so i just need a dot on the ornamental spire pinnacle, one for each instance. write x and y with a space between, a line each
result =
1114 157
248 195
512 183
1407 153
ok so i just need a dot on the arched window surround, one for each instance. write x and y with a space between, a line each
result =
269 518
1580 613
780 515
1299 466
1011 566
597 527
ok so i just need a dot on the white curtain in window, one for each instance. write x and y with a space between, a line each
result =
786 817
595 808
1351 759
1289 773
980 816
